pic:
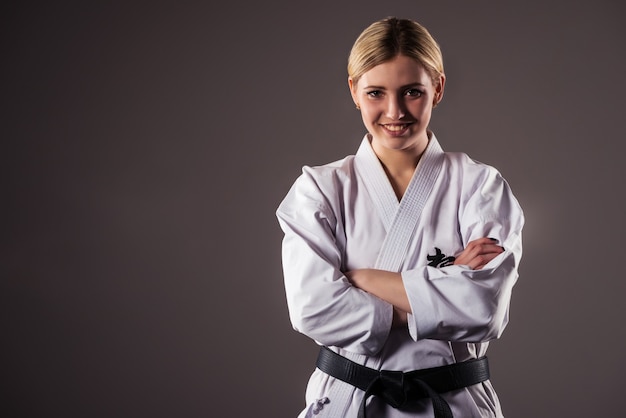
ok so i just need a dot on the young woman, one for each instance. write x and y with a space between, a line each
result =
399 261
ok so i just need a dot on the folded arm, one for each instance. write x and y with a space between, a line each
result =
389 286
322 302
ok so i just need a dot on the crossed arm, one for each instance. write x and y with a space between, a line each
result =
388 285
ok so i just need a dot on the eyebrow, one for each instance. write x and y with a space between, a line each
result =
416 84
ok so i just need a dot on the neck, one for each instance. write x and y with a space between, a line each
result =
399 164
399 161
399 167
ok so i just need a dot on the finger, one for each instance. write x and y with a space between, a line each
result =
482 240
482 260
489 248
482 250
478 247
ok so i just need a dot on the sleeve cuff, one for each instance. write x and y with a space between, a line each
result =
423 319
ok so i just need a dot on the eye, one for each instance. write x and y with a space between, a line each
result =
374 94
414 93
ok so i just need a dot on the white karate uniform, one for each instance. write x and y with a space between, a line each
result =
345 216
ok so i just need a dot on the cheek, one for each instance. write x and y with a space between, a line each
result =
370 112
422 109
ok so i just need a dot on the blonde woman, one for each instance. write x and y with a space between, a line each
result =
399 261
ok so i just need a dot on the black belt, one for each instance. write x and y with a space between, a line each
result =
397 388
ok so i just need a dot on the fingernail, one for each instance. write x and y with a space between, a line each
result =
493 239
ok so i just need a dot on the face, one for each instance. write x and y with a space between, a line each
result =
396 100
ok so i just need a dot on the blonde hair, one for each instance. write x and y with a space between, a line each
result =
386 39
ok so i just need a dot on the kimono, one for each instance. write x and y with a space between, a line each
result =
344 216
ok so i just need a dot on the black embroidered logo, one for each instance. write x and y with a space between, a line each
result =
440 259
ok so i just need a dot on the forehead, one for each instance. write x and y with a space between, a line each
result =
400 71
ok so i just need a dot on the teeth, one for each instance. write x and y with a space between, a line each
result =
395 128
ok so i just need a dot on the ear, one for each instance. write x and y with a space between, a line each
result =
439 87
352 86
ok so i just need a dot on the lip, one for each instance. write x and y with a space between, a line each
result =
396 129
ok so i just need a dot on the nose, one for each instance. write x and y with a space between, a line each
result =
395 108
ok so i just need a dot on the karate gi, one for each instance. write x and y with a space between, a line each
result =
345 216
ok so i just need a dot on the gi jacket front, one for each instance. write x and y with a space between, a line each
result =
345 216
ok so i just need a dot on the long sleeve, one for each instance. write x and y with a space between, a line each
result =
322 303
456 303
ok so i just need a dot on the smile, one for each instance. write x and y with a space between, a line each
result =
396 128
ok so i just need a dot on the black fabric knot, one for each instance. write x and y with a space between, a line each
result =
401 389
395 388
391 387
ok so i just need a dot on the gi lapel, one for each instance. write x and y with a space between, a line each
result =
400 219
376 182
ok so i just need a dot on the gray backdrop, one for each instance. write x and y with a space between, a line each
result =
146 145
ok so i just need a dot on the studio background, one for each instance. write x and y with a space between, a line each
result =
146 146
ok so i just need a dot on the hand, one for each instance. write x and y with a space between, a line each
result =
478 253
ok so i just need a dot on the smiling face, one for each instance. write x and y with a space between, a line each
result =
396 99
